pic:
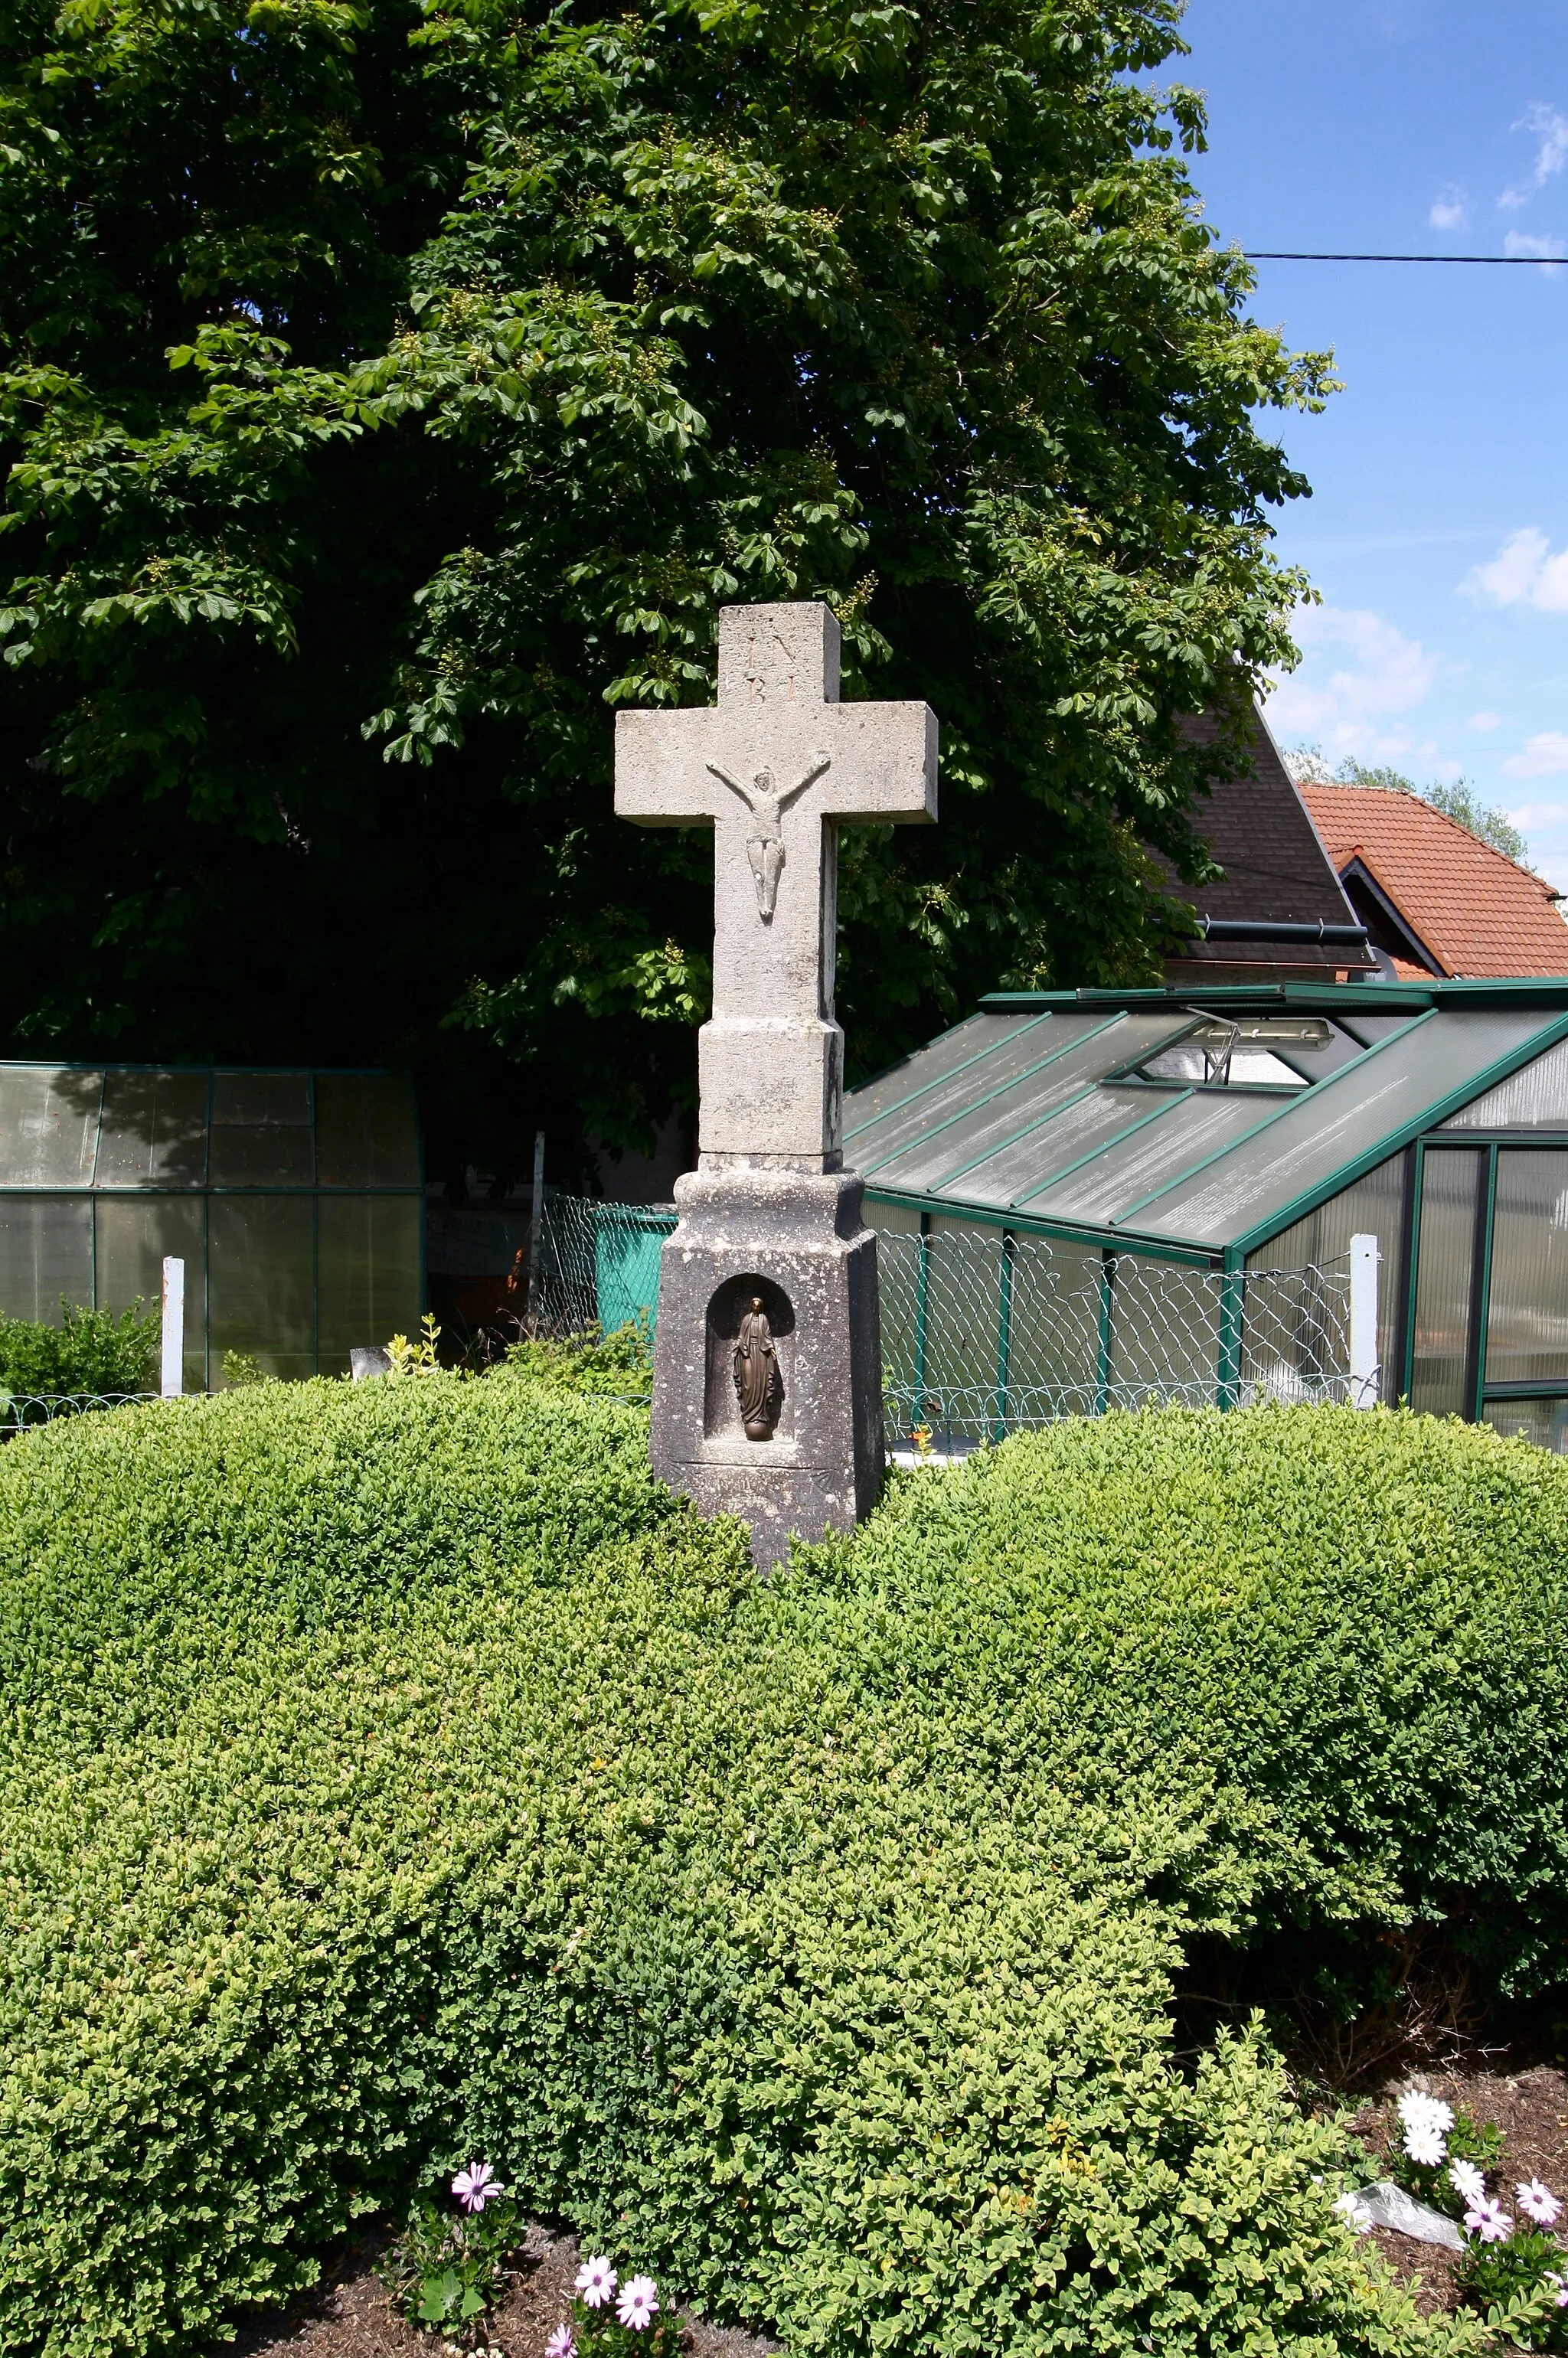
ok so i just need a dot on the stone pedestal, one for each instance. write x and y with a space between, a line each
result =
767 1363
795 1242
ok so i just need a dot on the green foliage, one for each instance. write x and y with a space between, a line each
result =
419 1356
445 2270
620 1362
241 1367
99 1353
1468 2140
417 382
395 1772
1493 2276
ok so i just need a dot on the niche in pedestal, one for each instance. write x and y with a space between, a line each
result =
745 1343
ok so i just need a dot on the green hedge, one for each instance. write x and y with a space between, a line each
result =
101 1353
395 1773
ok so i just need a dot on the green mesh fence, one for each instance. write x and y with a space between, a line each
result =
984 1331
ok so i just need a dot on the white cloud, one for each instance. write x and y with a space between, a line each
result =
1483 722
1544 250
1545 756
1354 705
1551 131
1449 209
1523 573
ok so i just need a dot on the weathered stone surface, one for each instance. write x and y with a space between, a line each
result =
769 1218
772 1059
797 1240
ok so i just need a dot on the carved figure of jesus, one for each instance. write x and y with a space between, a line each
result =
756 1372
765 849
776 768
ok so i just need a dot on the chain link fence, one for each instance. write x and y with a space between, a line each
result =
984 1330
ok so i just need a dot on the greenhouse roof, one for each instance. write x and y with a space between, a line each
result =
1198 1122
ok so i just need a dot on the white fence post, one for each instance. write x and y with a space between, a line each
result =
173 1369
1363 1368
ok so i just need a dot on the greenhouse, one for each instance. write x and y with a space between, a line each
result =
1092 1198
294 1198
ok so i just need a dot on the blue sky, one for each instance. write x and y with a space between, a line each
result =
1438 529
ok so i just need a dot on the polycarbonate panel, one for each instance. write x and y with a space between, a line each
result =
49 1125
45 1255
134 1232
1527 1311
944 1155
1116 1182
1445 1264
1054 1329
991 1090
1019 1169
1289 1327
1360 1110
1542 1423
261 1129
152 1132
261 1282
1535 1097
367 1273
1373 1028
365 1131
975 1037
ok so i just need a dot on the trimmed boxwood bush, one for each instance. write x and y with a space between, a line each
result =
395 1773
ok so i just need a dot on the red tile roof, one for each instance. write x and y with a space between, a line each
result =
1478 912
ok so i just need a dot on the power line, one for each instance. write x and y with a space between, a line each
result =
1515 261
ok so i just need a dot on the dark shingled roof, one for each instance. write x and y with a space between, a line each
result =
1260 833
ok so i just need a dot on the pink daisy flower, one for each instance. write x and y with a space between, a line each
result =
1539 2203
476 2186
639 2303
596 2282
1489 2221
562 2343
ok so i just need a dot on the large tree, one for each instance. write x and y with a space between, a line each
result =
389 391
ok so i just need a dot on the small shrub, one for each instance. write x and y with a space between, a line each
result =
1504 2274
418 1357
445 2269
239 1368
620 1362
97 1353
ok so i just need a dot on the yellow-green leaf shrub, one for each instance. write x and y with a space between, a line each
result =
395 1773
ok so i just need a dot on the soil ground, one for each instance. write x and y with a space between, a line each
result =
349 2315
1530 2106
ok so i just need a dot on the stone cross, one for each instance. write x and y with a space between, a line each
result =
775 769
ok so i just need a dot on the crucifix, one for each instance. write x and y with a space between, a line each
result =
776 768
767 1359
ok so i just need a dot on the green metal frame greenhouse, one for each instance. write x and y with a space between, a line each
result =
294 1198
1212 1139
